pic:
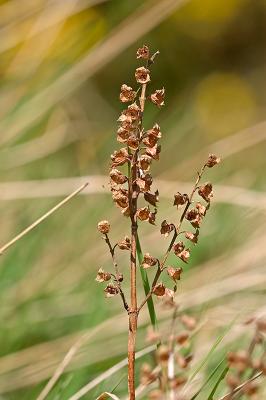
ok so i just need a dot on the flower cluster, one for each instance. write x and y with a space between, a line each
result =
173 358
243 363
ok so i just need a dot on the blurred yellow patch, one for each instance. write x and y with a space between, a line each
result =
224 104
206 18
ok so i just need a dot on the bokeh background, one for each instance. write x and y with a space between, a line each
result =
62 64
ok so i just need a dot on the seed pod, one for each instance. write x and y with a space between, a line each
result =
158 97
104 227
127 94
212 160
142 75
149 261
143 52
102 276
159 289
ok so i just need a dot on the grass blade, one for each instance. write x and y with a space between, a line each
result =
212 350
208 379
221 377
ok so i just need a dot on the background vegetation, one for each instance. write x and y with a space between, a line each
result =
62 64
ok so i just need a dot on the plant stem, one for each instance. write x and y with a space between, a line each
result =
133 313
133 206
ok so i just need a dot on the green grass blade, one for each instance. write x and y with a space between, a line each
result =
146 286
212 350
208 379
221 377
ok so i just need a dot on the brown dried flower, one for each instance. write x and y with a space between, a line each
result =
174 273
178 381
125 244
193 237
184 255
144 183
152 217
147 376
120 197
155 131
182 338
131 114
143 213
119 157
194 217
102 276
148 261
104 227
145 162
150 140
133 142
117 176
154 152
158 97
142 75
212 160
166 228
127 94
163 354
183 362
152 198
111 290
122 135
205 191
143 52
201 209
178 248
168 298
180 199
159 289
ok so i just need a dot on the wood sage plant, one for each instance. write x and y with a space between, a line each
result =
131 180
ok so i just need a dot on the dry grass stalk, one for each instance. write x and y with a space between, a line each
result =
41 219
